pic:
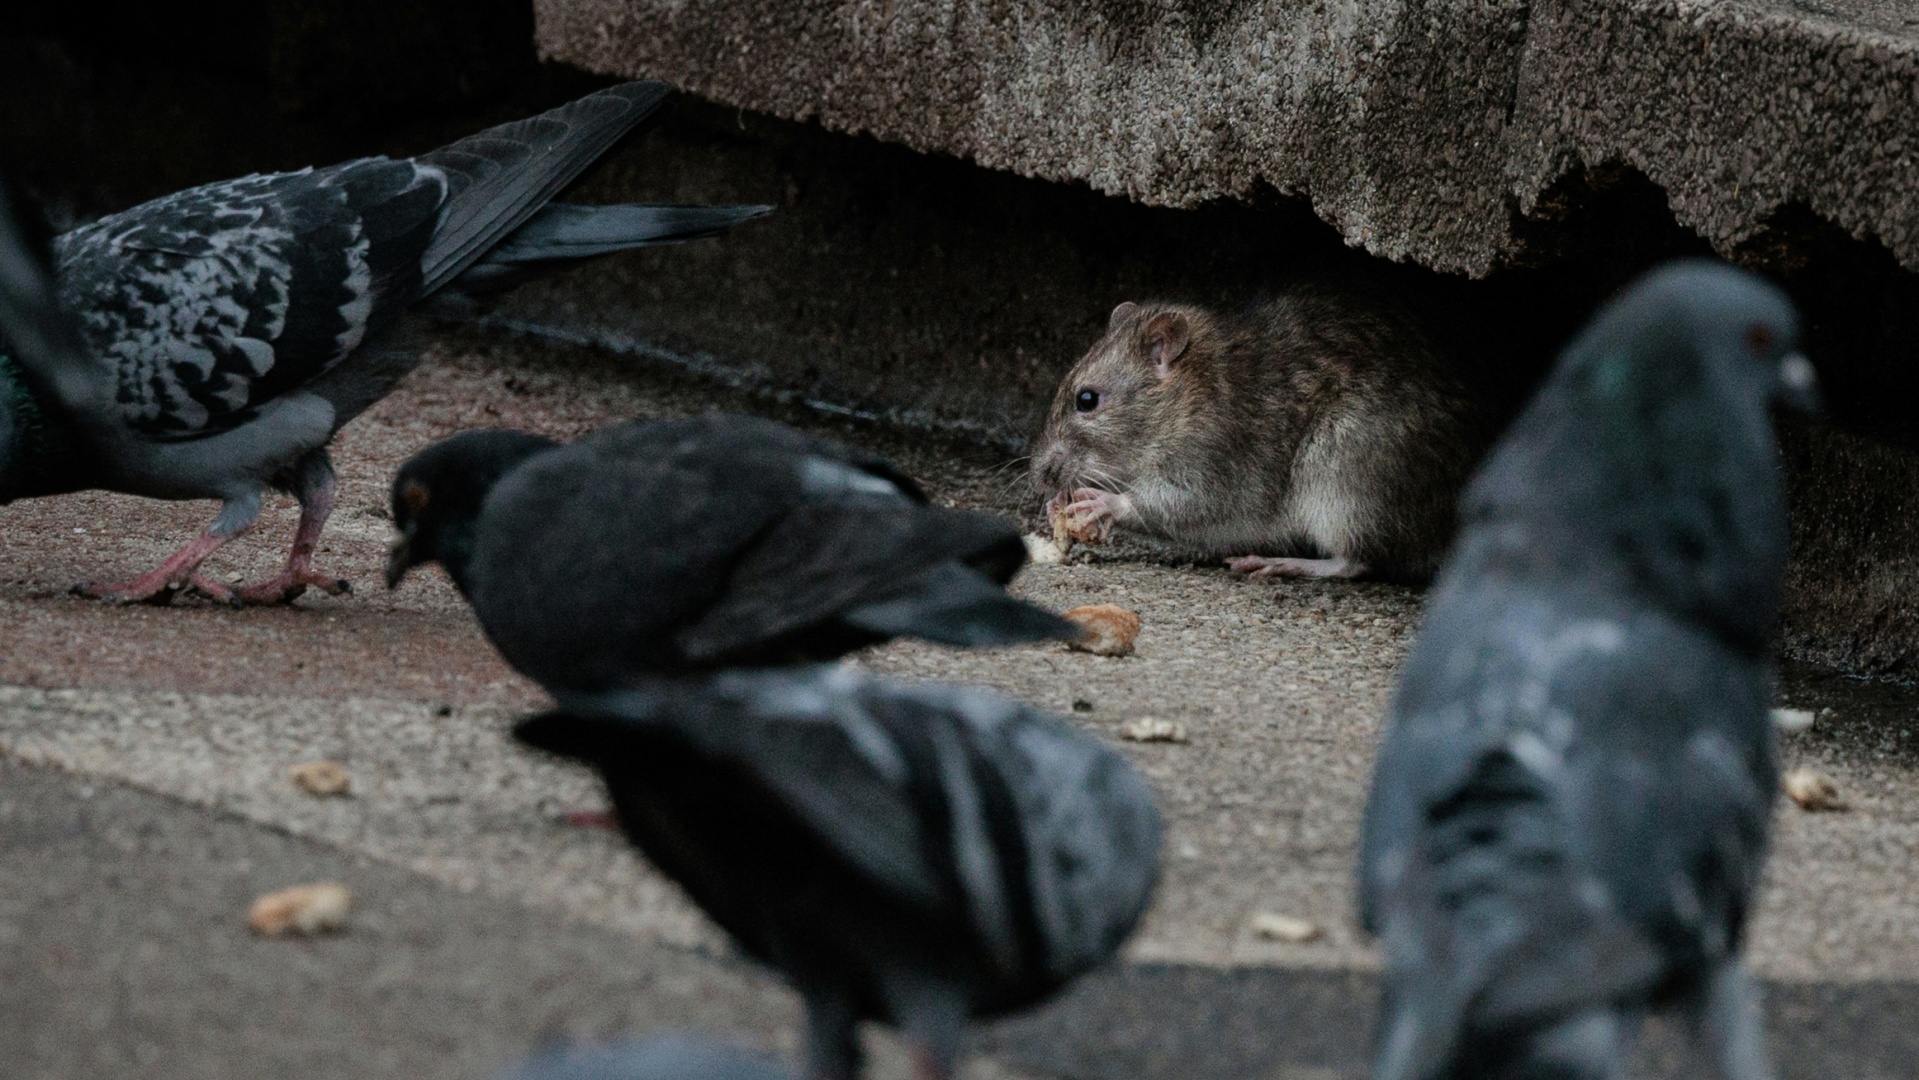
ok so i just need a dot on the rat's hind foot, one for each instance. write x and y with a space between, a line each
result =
1260 566
290 584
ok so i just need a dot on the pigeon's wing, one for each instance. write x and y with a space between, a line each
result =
202 306
1048 839
1051 837
1677 808
807 738
1089 826
882 564
500 178
1475 864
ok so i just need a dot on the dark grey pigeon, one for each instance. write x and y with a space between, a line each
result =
667 547
916 855
1570 810
662 1057
231 329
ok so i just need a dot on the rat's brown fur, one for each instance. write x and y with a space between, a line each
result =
1307 425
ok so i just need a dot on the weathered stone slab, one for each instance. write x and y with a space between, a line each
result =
1436 131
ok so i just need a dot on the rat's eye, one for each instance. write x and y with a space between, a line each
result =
1087 401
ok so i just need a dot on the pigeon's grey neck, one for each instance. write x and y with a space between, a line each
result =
40 457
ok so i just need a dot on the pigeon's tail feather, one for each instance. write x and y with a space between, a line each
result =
956 605
562 233
565 231
500 178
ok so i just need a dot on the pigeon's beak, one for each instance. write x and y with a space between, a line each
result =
399 559
1798 388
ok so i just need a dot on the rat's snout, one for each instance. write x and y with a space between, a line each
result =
1049 466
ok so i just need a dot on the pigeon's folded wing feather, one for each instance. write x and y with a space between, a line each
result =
822 559
207 304
828 760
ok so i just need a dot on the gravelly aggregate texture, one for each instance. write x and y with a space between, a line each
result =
1435 130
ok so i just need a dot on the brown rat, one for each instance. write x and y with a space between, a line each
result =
1310 435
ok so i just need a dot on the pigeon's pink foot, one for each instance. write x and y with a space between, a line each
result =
290 584
157 588
316 504
1260 566
591 819
161 584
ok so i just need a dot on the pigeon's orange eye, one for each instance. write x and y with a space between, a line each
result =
1759 339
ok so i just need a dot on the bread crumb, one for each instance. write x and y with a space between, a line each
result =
304 909
1272 926
1792 721
1062 532
320 778
1149 729
1041 551
1812 790
1106 629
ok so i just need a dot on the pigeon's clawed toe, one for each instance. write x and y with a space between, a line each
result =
157 588
290 584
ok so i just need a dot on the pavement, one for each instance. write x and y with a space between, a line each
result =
144 802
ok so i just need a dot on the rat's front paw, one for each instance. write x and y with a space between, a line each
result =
1093 513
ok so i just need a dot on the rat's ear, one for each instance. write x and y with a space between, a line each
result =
1167 335
1121 313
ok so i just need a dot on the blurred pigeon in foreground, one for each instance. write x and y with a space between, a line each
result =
665 1057
35 333
1570 810
666 547
912 854
233 328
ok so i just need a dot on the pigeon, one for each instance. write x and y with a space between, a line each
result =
915 854
1570 809
665 548
231 329
35 332
664 1057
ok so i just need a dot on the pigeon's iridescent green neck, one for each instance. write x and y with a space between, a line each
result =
40 457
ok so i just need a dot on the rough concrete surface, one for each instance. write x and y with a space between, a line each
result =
1432 130
452 828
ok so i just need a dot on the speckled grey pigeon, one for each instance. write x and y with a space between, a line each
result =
674 546
662 1057
1570 810
233 328
911 854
